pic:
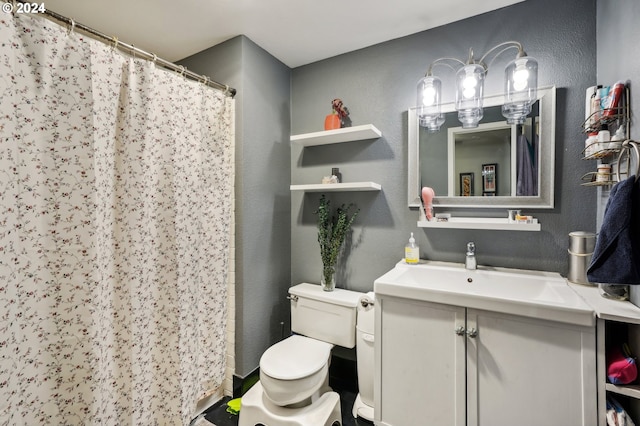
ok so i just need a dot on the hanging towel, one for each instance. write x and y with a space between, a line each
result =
534 160
526 171
616 257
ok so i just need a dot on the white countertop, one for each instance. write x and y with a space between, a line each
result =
608 309
535 294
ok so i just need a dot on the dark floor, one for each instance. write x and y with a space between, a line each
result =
342 378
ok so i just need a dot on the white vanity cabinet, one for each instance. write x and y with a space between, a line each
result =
420 363
445 365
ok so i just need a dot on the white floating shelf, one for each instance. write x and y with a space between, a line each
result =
338 187
346 134
488 223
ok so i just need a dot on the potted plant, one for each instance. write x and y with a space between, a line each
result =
335 120
332 231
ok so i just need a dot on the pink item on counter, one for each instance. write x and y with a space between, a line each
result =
427 201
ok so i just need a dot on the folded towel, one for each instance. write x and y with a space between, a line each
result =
616 257
616 415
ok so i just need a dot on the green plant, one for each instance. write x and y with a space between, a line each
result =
332 231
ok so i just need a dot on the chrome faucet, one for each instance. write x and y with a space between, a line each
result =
470 260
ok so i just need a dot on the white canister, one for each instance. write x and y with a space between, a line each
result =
604 173
590 145
591 91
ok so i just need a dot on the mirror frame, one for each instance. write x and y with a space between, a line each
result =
545 199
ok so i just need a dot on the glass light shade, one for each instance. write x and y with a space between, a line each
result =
428 106
469 93
520 88
431 123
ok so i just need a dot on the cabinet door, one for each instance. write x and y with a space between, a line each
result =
529 372
420 364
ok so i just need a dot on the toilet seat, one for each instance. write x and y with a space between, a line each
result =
295 357
295 369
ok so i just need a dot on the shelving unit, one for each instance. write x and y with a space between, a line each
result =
487 223
590 180
618 322
346 134
603 152
600 150
629 390
338 187
602 183
623 316
327 137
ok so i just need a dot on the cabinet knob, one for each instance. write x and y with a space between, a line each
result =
472 333
459 330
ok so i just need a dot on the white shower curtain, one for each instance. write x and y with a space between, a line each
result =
115 189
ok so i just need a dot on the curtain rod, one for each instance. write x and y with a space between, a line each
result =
131 49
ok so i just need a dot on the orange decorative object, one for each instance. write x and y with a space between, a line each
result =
331 122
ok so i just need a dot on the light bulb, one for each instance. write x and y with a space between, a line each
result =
521 81
469 88
469 93
520 78
429 96
469 82
428 107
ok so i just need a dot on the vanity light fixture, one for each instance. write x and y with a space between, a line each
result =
520 88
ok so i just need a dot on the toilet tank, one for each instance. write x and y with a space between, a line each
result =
329 316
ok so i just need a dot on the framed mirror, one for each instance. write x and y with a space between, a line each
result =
495 165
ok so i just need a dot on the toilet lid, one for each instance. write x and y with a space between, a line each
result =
295 357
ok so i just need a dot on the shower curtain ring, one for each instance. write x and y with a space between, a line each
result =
155 58
182 70
72 26
115 43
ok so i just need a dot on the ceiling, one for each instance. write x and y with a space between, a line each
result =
297 32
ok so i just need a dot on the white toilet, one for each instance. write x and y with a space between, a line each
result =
363 405
294 374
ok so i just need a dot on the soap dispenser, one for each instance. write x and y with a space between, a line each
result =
411 252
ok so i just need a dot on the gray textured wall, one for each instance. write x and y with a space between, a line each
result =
617 41
377 84
262 190
618 36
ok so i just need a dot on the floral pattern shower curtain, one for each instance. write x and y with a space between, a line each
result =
115 190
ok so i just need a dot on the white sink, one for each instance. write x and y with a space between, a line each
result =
537 294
